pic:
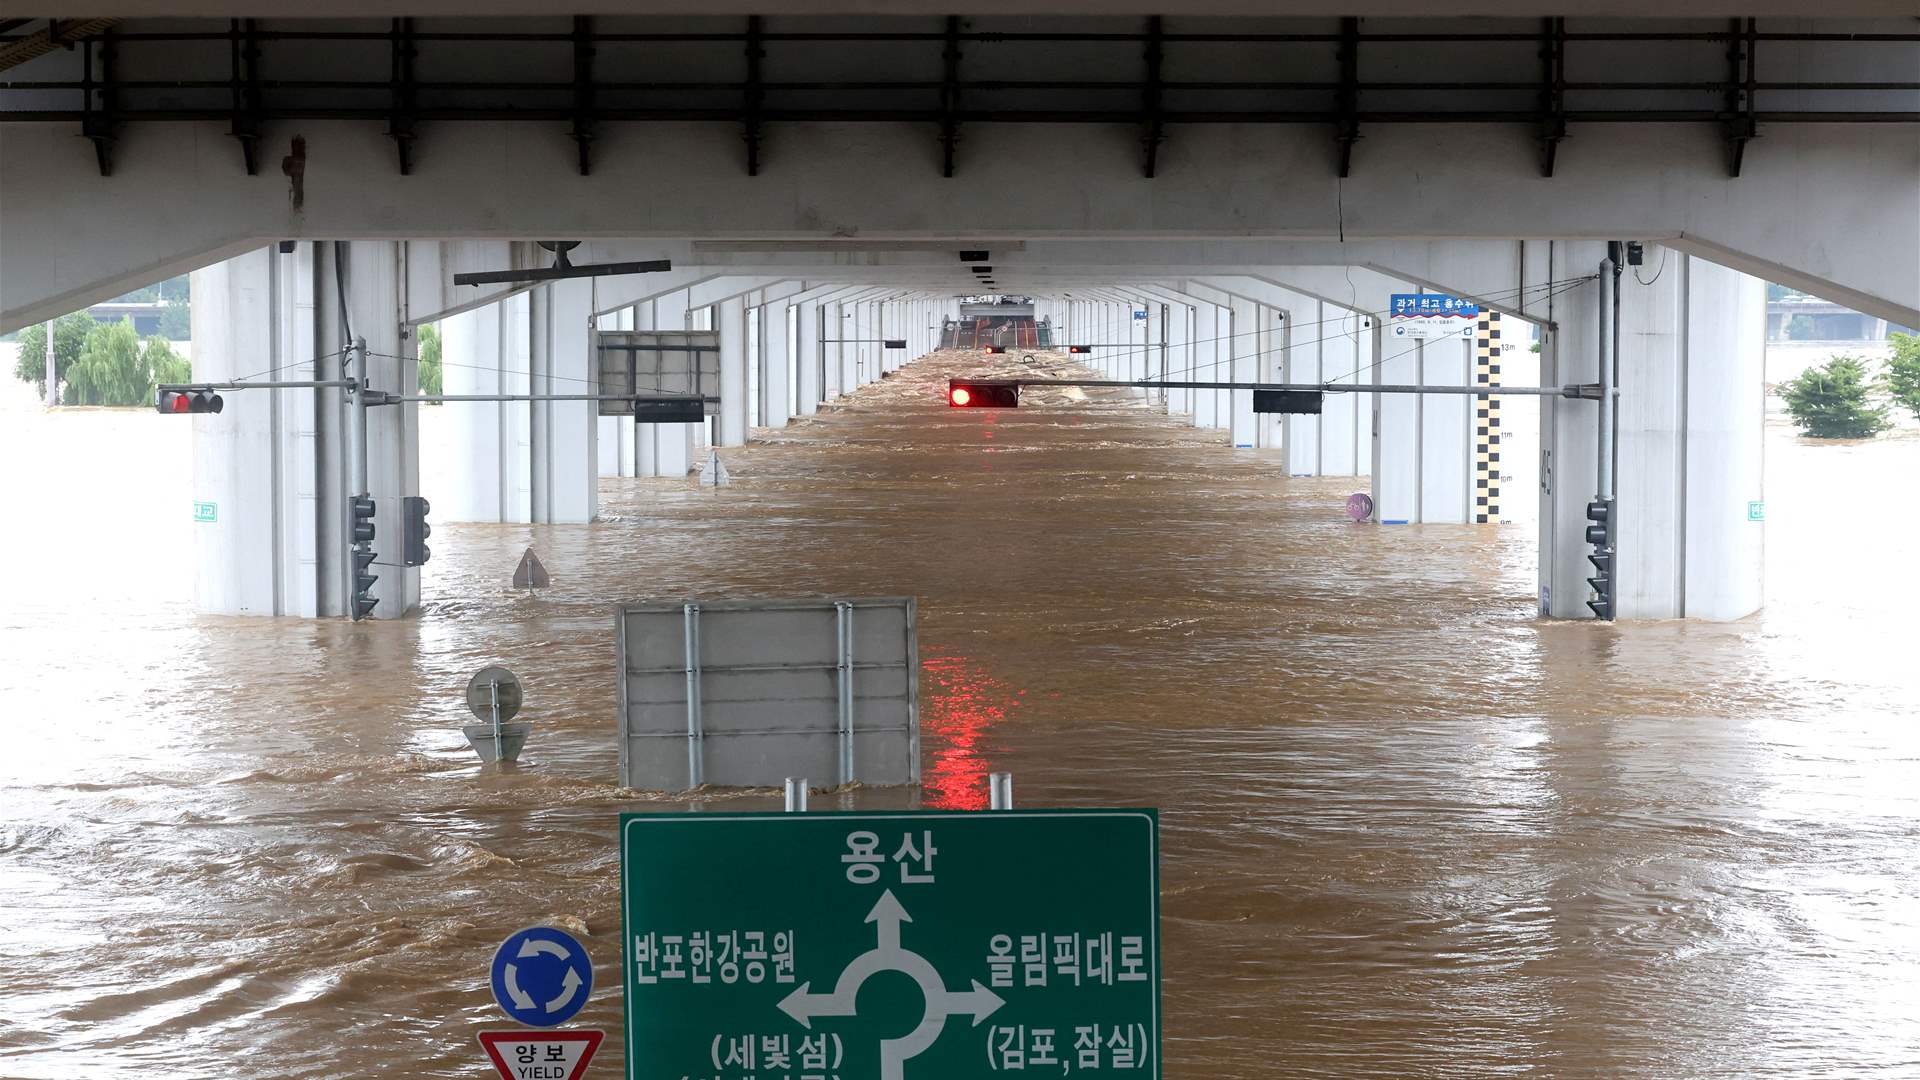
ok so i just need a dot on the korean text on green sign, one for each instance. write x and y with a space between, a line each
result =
907 945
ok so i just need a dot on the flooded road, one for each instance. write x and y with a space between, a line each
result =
1409 830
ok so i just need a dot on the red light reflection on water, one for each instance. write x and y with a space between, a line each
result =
962 705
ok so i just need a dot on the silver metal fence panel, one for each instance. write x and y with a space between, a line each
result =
655 362
747 693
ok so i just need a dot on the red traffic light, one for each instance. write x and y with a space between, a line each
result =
992 349
983 393
187 401
1079 348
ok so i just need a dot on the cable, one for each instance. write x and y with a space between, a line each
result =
340 291
1657 271
1557 286
1416 345
275 370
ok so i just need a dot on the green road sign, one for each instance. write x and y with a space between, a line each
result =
906 945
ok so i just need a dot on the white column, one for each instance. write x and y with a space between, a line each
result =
1276 361
1724 464
254 463
1396 431
1179 355
776 363
735 406
1345 421
1244 368
565 433
1689 450
616 433
487 442
808 367
1446 424
376 277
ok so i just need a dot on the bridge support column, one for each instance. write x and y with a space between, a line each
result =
254 472
272 464
735 406
808 366
1335 443
616 433
1689 452
1423 443
566 469
485 352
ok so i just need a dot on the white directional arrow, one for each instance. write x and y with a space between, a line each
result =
889 915
535 946
803 1006
521 999
980 1002
888 955
571 983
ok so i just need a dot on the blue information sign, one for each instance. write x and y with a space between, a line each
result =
1426 315
541 976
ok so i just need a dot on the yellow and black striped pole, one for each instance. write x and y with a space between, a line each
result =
1486 438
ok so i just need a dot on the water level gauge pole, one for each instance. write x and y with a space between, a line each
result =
493 699
1000 791
796 794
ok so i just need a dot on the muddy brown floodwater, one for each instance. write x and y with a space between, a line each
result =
1409 830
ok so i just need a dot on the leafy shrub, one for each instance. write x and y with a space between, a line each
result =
1903 372
1833 401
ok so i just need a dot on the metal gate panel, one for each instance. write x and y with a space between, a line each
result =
652 363
746 693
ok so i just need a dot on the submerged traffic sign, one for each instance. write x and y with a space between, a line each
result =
541 1055
541 976
893 946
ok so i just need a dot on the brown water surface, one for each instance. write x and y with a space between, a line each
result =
1409 830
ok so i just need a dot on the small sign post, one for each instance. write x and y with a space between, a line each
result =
1030 938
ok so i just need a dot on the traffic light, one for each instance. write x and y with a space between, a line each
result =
991 349
363 579
181 402
414 531
983 393
1079 348
362 506
1601 535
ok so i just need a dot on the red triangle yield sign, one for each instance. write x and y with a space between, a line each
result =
541 1055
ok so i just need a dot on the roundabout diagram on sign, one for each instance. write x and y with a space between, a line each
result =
889 945
541 976
888 954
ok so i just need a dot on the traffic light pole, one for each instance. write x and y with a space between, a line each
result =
1575 392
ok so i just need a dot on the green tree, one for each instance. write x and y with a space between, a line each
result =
111 370
1832 401
1903 371
69 341
166 365
1800 328
430 359
176 319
